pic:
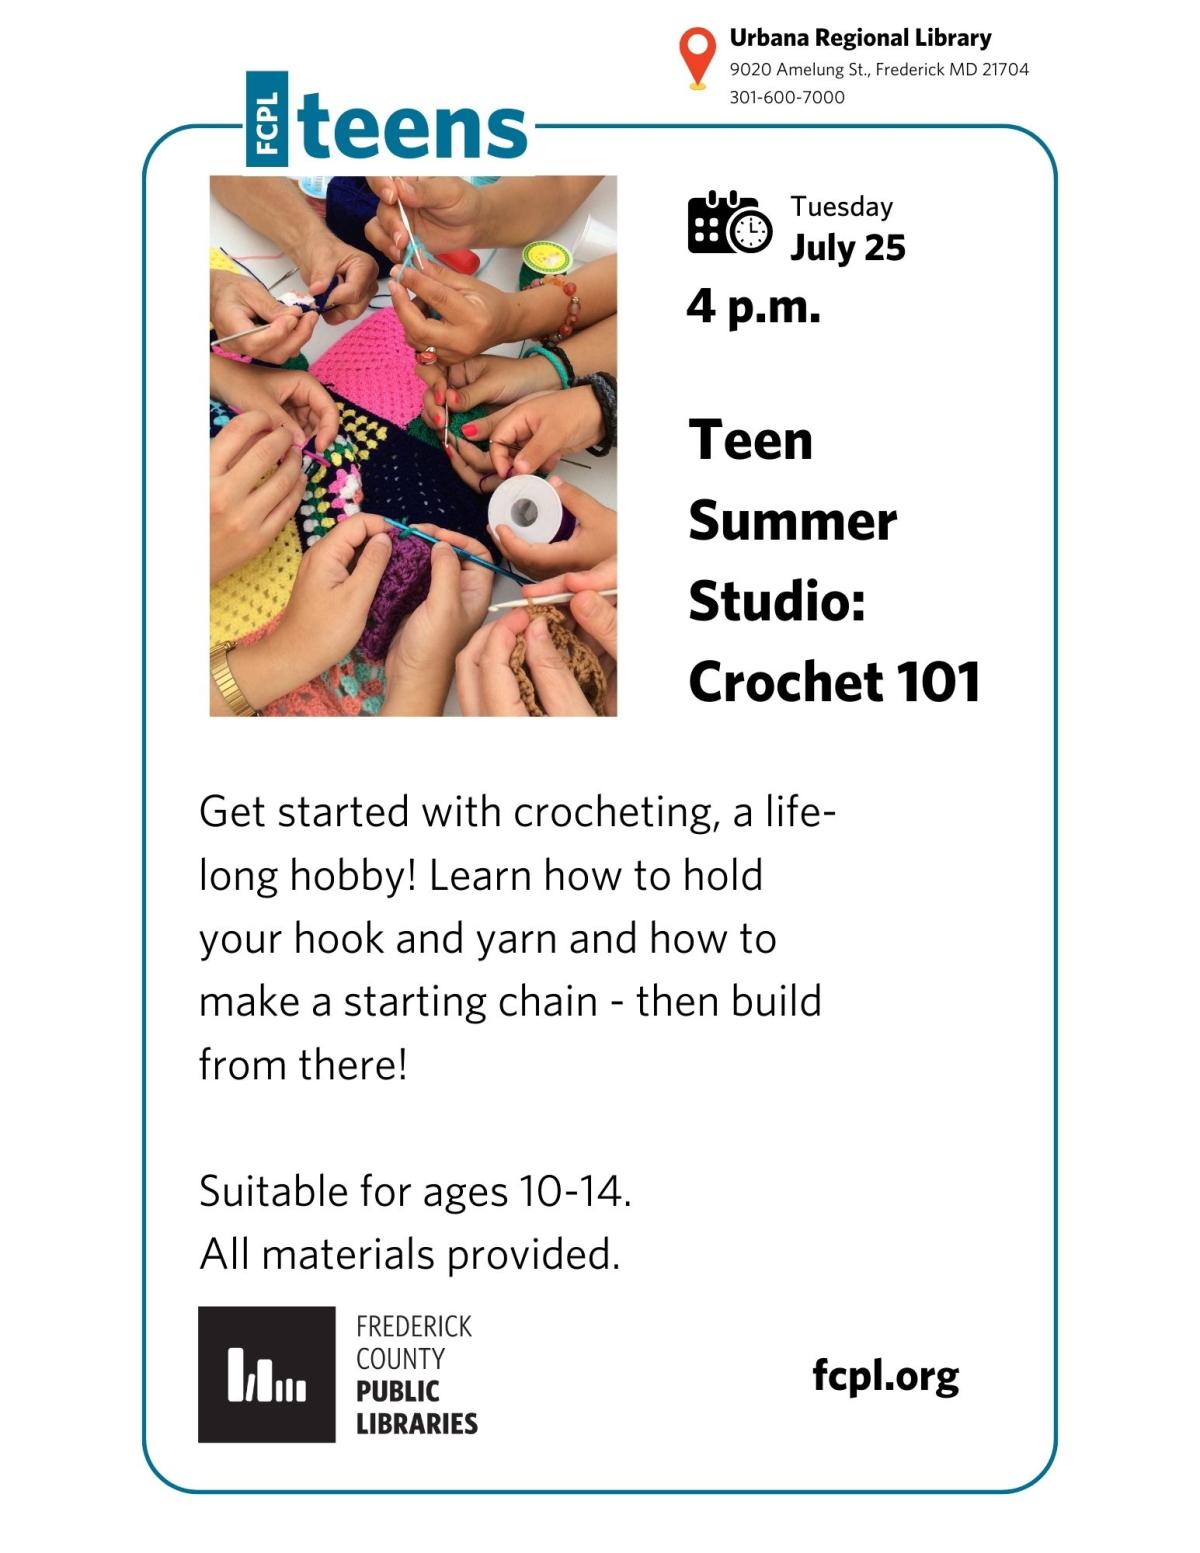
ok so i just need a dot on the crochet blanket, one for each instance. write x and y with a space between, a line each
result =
377 467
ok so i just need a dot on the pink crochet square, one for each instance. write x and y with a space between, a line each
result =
371 365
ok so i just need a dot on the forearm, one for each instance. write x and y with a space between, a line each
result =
273 206
516 210
542 310
594 349
224 377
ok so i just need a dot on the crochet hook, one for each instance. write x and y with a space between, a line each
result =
430 539
300 447
242 333
547 598
412 237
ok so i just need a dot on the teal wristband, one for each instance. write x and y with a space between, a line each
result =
538 350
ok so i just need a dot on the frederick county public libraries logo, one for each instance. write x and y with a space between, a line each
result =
266 1374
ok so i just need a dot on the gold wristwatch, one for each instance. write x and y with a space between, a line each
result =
218 663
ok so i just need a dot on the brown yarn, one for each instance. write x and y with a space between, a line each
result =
580 659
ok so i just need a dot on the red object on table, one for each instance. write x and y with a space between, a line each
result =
464 260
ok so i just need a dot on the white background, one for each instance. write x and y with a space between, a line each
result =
74 1177
875 1183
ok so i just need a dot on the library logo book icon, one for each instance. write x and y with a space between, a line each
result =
266 1374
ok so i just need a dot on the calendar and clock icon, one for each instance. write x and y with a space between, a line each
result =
730 225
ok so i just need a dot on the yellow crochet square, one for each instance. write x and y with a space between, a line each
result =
256 592
221 261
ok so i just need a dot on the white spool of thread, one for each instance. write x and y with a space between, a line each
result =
529 506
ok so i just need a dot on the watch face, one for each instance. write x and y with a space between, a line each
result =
750 230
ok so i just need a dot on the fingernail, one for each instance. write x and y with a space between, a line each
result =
521 467
438 419
437 396
555 480
408 187
471 430
452 397
383 539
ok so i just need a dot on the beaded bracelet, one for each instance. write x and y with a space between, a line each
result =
552 358
574 302
604 386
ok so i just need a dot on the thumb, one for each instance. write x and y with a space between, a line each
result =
443 576
579 504
471 394
270 308
598 618
372 563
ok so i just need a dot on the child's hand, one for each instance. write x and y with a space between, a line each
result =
332 594
292 399
595 580
595 617
534 434
487 686
256 482
445 214
420 661
324 617
593 540
323 258
486 380
473 315
238 302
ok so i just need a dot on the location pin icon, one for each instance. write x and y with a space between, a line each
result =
697 59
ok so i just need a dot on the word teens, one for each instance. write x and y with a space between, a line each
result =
796 601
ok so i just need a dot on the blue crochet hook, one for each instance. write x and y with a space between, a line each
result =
416 533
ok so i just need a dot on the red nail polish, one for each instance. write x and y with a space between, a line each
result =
437 396
471 430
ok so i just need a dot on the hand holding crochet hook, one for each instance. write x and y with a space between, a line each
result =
420 662
528 437
487 684
256 481
473 315
237 308
483 380
294 400
449 213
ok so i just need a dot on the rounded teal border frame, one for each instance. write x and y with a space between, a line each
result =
638 1492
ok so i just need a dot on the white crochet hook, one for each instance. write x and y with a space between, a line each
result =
416 248
241 335
547 598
